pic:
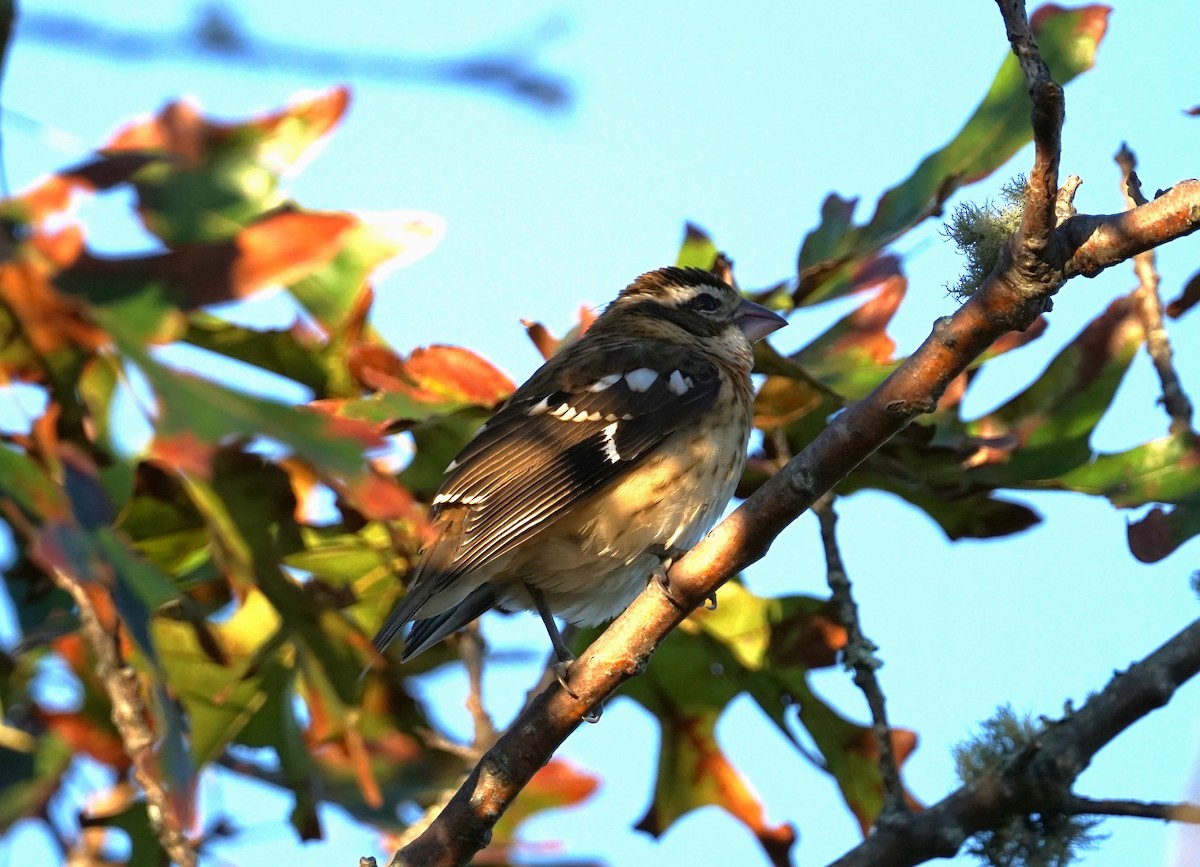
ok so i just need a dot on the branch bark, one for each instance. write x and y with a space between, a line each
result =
1052 245
1040 779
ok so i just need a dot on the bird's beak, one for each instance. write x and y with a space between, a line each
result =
757 321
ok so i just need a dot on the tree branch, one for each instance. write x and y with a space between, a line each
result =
1051 246
860 657
1039 779
1184 812
129 715
1150 308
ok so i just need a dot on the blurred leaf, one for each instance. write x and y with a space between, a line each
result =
214 178
1157 534
698 250
686 693
285 352
1068 39
331 293
28 780
763 647
28 485
133 820
1187 298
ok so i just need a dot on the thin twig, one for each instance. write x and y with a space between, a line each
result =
129 715
1178 812
1150 308
472 646
860 657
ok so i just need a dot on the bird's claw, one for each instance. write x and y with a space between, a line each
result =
659 576
561 669
710 601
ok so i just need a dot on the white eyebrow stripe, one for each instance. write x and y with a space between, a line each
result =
641 379
678 383
604 382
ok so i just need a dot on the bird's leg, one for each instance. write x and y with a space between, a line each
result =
666 558
561 651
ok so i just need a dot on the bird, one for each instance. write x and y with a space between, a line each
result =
615 457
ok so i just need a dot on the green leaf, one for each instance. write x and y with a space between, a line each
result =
134 821
29 779
1046 430
279 351
1000 126
29 486
698 249
1160 471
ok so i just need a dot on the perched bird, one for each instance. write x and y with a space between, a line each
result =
617 455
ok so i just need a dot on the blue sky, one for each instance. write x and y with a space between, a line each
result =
741 119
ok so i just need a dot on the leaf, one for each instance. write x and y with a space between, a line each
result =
214 178
687 696
1187 298
698 249
40 325
1165 470
998 129
331 293
1045 430
134 820
287 352
1157 534
856 353
29 779
763 647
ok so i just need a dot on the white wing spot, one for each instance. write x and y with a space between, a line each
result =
452 466
678 383
584 416
540 407
604 382
641 379
610 443
468 500
564 413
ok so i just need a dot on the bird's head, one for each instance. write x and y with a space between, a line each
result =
692 307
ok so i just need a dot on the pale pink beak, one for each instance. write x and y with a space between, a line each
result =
757 321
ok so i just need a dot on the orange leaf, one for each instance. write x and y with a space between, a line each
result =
184 452
284 247
433 374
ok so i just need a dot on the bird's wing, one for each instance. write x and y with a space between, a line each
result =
561 438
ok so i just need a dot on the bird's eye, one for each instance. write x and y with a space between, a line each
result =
704 303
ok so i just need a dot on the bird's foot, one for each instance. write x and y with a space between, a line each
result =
561 671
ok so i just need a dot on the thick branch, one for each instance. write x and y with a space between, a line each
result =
1048 249
1002 304
1040 779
